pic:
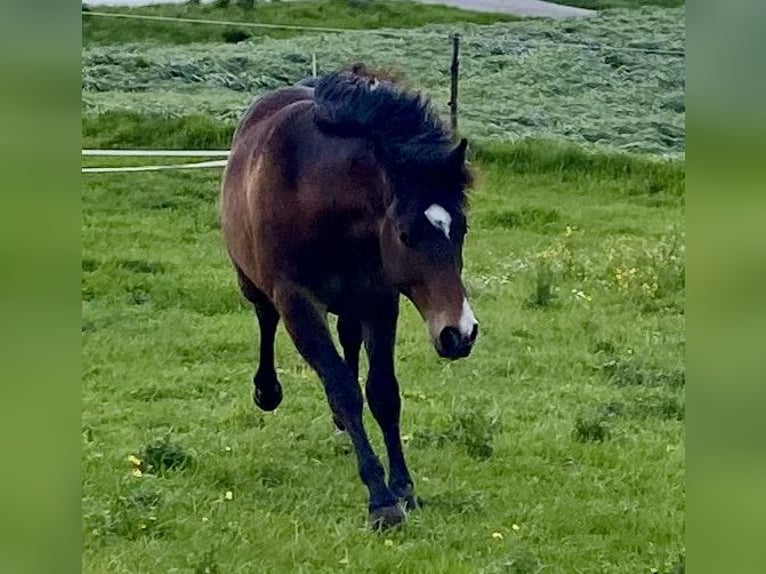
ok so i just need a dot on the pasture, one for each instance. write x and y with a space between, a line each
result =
355 15
557 447
558 444
518 79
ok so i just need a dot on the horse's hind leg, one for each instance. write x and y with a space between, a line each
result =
267 392
350 336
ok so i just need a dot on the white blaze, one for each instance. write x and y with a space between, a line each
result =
441 219
467 320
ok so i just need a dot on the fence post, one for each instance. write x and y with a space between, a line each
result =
453 81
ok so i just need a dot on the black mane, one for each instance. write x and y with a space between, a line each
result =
409 138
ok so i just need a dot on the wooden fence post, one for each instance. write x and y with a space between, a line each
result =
453 81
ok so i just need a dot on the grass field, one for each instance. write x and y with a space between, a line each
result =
344 14
556 447
517 80
347 14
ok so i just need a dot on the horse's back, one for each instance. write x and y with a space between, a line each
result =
245 170
269 104
289 188
268 147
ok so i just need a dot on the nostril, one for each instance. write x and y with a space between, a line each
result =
474 333
450 340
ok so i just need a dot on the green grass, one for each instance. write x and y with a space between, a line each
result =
131 130
563 432
517 80
344 14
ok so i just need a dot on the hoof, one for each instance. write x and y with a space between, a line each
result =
407 498
411 502
268 397
386 517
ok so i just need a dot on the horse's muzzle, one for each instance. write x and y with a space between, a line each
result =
452 345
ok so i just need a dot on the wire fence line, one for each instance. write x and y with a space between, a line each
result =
231 23
154 153
378 32
196 165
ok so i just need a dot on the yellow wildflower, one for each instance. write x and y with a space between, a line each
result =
388 542
229 495
516 527
137 473
497 535
134 460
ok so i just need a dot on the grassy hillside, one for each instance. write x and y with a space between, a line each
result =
359 15
526 79
558 444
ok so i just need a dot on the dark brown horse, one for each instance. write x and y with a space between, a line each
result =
336 199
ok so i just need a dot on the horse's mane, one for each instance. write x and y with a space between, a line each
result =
407 134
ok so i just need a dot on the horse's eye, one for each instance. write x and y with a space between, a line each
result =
404 237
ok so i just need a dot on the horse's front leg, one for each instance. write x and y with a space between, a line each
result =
306 323
382 391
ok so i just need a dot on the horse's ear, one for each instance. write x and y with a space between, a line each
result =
457 156
459 163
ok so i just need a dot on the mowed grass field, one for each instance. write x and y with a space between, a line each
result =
558 446
530 79
344 14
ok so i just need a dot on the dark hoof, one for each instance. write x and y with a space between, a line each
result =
407 498
411 502
386 517
267 397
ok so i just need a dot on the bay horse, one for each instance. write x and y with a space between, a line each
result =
339 197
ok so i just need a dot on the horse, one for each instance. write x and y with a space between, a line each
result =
339 196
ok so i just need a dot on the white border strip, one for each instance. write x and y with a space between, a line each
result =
213 163
155 153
